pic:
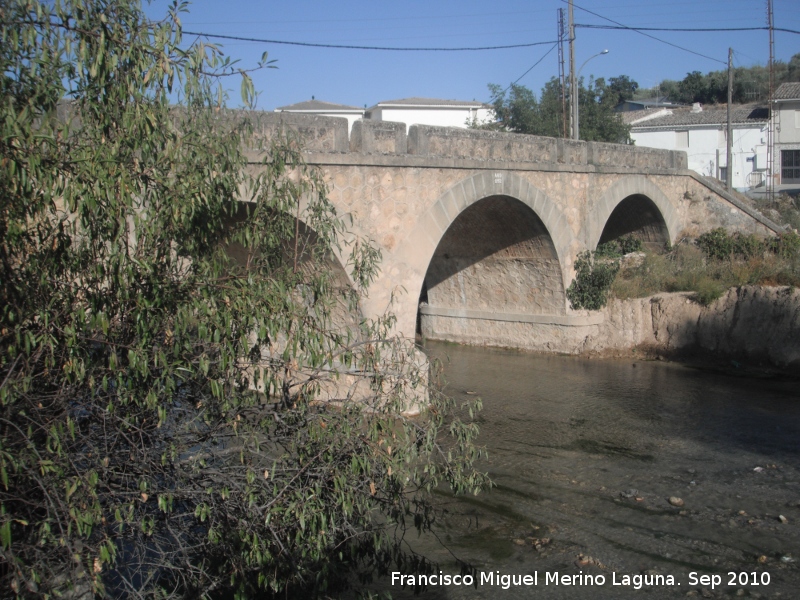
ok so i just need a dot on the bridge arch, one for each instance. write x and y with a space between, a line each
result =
304 250
498 231
633 205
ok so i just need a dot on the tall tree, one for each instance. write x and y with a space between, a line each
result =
188 405
520 112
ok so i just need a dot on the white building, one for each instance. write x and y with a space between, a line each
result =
325 109
702 134
431 111
787 135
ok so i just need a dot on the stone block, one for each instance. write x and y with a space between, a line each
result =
378 137
316 133
456 142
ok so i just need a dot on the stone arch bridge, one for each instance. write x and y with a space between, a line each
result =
479 231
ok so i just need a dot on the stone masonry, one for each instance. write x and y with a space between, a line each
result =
484 227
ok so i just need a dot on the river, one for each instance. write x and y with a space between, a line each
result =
585 456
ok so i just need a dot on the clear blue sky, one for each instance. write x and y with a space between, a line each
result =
365 77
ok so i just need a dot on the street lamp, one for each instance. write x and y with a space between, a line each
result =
576 97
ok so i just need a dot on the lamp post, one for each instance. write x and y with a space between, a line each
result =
576 97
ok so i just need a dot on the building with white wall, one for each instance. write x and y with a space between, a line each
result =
431 111
787 135
702 134
325 109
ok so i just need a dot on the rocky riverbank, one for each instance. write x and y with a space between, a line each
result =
754 324
751 326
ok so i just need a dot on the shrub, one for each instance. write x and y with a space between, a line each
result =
173 423
748 245
619 247
716 243
593 279
630 243
788 245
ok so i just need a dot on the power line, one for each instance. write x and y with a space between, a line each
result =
637 30
534 65
706 29
353 47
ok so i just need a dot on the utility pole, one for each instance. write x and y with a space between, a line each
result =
771 123
573 77
729 137
561 75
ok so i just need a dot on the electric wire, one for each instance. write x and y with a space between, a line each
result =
534 65
637 30
690 29
354 47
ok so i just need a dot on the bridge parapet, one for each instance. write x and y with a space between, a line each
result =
318 134
329 135
619 155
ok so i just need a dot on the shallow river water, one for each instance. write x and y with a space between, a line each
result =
585 456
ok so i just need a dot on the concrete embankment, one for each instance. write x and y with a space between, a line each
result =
758 324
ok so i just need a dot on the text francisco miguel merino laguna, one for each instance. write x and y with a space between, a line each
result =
506 581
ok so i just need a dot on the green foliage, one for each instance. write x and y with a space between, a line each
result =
520 111
630 243
189 403
716 243
593 279
620 247
750 84
721 262
788 245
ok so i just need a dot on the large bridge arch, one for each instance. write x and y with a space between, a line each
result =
633 204
414 254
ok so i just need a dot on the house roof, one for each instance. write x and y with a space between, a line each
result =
319 105
429 102
629 117
740 114
788 91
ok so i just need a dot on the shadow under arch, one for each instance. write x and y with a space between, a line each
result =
634 206
421 245
639 217
497 256
304 253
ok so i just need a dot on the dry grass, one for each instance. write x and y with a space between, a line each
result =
686 268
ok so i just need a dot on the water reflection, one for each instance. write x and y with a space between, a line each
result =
586 455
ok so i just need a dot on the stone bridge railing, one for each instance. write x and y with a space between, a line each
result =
424 145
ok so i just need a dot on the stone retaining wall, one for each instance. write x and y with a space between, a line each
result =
752 323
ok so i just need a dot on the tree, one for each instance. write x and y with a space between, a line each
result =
189 404
618 90
598 121
521 113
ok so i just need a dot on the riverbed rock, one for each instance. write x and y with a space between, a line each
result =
675 501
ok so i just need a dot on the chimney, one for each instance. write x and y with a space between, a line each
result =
697 107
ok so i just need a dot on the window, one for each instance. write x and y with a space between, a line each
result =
681 139
790 166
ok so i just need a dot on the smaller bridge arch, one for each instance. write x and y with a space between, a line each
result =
633 205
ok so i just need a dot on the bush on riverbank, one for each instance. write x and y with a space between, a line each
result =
182 412
711 264
784 210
